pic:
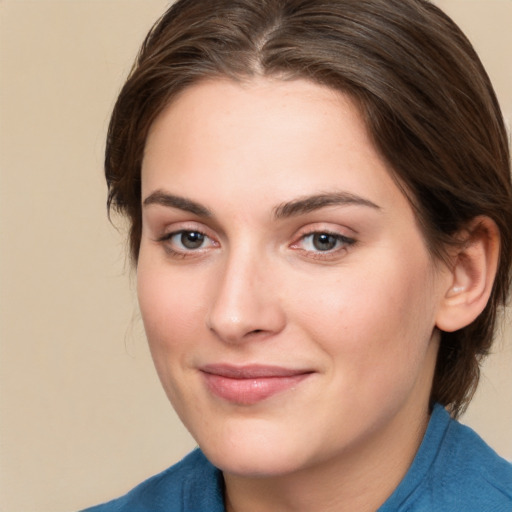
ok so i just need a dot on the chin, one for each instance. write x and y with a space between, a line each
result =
256 454
253 464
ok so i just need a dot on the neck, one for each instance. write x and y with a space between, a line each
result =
360 479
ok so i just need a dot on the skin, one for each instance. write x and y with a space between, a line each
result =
223 159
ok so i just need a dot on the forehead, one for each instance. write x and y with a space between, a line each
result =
270 138
211 107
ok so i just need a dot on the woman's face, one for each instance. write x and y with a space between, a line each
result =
286 291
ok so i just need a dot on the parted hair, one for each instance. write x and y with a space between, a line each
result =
422 91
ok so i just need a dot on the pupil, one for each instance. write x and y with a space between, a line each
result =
192 239
324 242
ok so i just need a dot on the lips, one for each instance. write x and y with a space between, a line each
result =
248 385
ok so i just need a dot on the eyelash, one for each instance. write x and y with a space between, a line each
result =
343 242
340 239
166 240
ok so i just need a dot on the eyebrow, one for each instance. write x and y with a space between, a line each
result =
318 201
162 198
285 210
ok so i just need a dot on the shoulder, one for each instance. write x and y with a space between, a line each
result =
454 469
479 473
191 484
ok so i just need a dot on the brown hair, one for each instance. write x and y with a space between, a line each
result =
424 94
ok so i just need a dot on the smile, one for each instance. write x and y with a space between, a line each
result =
248 385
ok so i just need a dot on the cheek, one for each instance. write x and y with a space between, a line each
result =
170 306
376 321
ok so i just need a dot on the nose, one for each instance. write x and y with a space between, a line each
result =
246 301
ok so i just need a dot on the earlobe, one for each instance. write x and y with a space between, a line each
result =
472 276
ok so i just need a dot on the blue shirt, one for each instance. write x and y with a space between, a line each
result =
453 471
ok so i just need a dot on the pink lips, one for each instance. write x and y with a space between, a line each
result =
248 385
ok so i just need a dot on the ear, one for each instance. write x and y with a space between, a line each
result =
471 277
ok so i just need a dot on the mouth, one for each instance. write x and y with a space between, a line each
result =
248 385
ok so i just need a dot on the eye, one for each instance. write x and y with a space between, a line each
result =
189 239
323 242
186 241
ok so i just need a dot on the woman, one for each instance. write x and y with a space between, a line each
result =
321 211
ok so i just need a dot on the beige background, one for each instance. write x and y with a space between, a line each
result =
82 415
